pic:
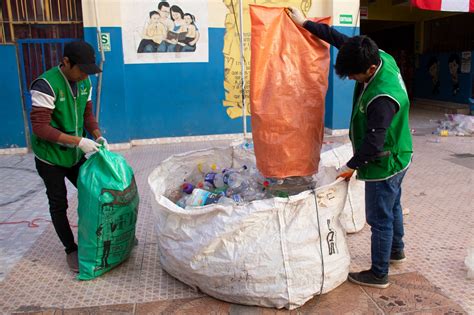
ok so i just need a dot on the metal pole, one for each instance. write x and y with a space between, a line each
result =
102 60
242 66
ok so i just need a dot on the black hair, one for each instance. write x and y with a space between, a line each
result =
153 13
175 8
193 19
163 4
356 56
454 57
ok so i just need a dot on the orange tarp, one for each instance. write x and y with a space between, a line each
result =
288 84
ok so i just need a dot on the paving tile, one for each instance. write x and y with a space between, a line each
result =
119 309
356 301
410 292
202 305
438 311
49 311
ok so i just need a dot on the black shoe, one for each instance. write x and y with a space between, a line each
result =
397 257
368 278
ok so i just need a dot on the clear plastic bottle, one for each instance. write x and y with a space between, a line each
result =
183 200
216 180
237 184
223 200
219 180
205 185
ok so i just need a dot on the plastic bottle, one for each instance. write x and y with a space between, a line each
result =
183 200
255 175
215 179
209 178
200 197
235 181
205 168
187 188
223 200
205 185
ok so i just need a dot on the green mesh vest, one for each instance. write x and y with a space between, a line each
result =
67 117
387 81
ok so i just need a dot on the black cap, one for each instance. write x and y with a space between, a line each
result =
82 54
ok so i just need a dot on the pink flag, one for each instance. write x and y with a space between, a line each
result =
445 5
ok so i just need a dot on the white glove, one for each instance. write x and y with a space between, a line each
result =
296 15
88 145
103 141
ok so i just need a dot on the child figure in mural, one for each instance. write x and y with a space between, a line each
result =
106 231
433 69
192 35
453 63
153 34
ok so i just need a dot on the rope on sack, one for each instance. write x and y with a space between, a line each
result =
349 195
285 252
320 241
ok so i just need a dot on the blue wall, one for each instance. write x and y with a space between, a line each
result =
142 101
339 96
12 131
423 81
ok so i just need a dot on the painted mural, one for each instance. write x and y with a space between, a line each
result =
171 31
444 77
232 63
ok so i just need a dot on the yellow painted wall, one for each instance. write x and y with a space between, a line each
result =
110 12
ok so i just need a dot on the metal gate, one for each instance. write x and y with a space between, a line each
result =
35 57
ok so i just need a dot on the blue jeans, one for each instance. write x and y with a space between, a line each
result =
384 215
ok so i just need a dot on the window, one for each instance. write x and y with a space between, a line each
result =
40 19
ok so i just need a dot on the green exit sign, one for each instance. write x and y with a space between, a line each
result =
345 19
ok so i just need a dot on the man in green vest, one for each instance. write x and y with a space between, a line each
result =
381 140
60 116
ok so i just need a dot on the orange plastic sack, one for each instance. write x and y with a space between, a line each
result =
288 84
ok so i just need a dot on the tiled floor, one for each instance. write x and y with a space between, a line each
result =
437 190
409 293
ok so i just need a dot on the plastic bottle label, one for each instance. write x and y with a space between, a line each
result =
201 197
210 178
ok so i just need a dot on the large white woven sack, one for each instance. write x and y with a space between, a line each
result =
353 215
277 252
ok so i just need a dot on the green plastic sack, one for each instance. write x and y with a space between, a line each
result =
108 208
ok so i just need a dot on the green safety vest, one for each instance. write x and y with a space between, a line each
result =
387 81
67 117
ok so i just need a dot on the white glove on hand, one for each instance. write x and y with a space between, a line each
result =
296 15
88 145
103 141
